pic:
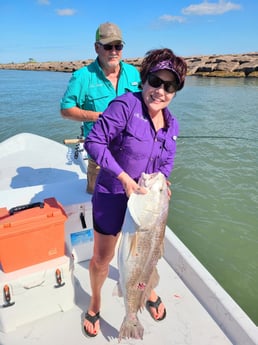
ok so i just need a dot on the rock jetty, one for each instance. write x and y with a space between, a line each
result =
231 65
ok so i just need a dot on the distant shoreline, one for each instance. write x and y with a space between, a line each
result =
225 66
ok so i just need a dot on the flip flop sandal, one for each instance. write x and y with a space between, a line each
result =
92 320
150 304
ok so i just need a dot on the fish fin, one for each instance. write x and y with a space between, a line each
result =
131 328
133 246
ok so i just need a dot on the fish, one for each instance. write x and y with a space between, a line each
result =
141 246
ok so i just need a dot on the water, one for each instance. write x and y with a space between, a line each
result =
214 207
29 102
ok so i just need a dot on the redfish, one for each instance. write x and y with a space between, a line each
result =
140 248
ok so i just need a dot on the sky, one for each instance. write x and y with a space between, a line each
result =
64 30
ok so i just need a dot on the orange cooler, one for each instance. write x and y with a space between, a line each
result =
31 234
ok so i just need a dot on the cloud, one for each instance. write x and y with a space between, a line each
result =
66 12
211 8
169 18
43 2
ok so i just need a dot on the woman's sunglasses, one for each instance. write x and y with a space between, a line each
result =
155 81
111 46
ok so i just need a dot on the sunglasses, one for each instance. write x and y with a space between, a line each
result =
155 81
111 46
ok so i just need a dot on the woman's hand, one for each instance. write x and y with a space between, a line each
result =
130 186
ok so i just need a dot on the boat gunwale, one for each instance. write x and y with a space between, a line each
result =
228 315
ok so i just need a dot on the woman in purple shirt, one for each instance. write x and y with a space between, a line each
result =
135 134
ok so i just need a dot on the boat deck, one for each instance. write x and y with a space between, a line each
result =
187 322
199 311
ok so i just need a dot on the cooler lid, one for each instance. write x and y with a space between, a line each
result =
24 217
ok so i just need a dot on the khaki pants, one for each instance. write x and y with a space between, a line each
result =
92 173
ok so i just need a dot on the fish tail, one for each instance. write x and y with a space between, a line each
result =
131 328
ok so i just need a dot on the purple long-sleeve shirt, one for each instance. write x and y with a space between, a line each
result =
124 139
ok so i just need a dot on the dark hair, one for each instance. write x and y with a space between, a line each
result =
153 57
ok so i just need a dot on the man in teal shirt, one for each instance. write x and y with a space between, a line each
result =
92 87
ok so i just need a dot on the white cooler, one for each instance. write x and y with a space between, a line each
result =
79 232
34 292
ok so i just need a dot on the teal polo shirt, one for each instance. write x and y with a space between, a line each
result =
89 89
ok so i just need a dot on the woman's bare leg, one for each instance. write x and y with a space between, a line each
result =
103 253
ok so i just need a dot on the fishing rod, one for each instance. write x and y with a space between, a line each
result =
213 137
